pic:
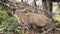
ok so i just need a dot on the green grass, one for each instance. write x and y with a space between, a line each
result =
57 19
7 22
58 9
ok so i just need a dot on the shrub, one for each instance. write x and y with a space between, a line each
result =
57 19
7 23
58 9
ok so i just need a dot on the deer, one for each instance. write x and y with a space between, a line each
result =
35 19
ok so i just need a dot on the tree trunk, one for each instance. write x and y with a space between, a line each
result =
47 7
22 1
44 4
35 5
49 11
58 4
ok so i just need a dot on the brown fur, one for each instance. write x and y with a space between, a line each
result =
37 19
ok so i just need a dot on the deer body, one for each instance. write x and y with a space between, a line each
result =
34 18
